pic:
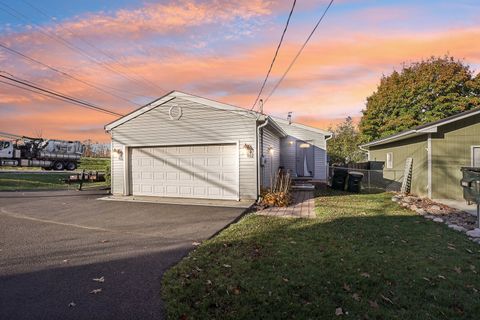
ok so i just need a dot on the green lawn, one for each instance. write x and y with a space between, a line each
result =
94 164
39 181
363 253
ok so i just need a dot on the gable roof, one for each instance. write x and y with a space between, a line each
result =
430 127
273 121
301 126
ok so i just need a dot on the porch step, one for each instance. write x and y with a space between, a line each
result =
303 186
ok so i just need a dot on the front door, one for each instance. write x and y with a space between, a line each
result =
304 159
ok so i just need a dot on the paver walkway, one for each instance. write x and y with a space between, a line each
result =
303 207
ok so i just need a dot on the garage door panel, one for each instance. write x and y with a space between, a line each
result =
202 171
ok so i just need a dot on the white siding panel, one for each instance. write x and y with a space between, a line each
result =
199 124
117 169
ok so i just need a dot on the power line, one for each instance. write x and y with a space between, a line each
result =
26 57
148 82
275 55
37 92
60 95
64 42
299 52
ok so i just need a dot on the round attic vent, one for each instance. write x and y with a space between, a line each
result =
175 112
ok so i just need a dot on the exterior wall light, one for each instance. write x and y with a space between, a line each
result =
271 150
305 145
118 153
248 150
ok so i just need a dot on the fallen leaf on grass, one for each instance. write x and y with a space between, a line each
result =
195 243
95 291
469 251
236 291
346 287
209 282
227 266
338 312
386 299
457 270
365 274
101 279
356 297
426 279
441 277
373 304
285 279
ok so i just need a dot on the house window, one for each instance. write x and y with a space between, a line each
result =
389 160
475 156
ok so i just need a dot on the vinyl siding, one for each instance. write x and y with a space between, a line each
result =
117 168
199 124
288 149
415 148
272 164
451 150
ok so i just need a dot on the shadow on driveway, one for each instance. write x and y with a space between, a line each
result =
52 248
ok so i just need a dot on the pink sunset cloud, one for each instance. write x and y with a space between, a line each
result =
330 81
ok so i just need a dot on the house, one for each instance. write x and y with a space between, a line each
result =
438 149
182 145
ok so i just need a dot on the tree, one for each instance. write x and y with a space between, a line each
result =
343 147
421 92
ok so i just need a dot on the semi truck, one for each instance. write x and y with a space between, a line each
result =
49 154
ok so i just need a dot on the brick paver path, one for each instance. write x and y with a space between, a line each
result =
303 207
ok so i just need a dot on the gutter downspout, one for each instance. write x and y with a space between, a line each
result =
366 151
429 166
259 154
326 157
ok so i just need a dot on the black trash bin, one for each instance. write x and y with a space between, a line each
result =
339 178
354 181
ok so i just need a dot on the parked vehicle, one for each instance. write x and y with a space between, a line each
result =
33 152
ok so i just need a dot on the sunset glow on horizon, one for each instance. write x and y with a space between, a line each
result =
124 54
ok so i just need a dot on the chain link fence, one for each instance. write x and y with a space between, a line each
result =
388 180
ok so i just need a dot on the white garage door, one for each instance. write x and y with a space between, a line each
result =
199 171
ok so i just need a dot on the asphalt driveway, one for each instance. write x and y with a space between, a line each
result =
52 244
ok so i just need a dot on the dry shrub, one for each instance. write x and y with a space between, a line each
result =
279 194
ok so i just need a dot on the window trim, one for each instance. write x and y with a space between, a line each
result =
389 164
472 154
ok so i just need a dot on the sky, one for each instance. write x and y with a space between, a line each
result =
123 54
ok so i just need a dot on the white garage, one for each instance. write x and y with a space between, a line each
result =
186 146
191 171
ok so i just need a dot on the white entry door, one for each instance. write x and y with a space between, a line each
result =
197 171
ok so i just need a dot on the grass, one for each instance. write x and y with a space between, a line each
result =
39 181
363 254
94 164
10 181
89 164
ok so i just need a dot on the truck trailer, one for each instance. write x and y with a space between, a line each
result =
48 154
